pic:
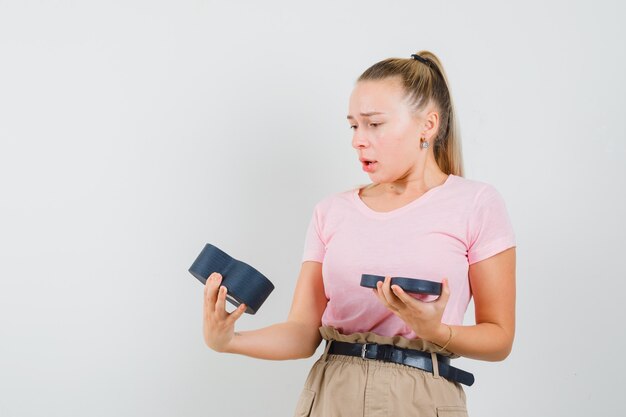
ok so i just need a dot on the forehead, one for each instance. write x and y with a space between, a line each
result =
386 95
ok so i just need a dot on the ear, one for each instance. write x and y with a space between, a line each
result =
431 124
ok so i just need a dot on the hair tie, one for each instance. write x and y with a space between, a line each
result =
420 59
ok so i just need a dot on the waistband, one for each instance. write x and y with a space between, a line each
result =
417 353
332 333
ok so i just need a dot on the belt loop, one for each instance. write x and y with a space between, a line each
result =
433 356
325 354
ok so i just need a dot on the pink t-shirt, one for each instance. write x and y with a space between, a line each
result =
437 235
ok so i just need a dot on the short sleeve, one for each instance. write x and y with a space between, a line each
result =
314 247
490 228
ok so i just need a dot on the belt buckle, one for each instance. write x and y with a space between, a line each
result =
363 350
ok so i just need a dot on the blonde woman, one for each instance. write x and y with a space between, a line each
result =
388 352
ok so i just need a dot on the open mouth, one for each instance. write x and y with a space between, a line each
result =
369 165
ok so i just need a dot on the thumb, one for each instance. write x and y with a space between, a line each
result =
445 292
237 313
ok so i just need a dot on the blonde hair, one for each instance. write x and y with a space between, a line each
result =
426 82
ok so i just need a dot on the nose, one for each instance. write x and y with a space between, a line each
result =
359 140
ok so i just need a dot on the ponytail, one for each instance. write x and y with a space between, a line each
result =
425 81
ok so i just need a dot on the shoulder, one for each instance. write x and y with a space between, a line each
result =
474 191
336 200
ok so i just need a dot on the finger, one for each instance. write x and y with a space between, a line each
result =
381 296
207 289
389 295
212 284
403 296
220 306
205 304
232 317
445 292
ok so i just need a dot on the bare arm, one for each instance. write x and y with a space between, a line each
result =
492 282
299 336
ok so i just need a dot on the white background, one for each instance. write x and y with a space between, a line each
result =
134 132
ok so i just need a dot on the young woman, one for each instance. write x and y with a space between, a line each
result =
387 351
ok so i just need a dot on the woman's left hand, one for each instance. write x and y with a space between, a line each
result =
423 317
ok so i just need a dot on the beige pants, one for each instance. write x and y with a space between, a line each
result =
349 386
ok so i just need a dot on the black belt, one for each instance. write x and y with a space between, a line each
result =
410 357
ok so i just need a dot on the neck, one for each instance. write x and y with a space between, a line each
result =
414 181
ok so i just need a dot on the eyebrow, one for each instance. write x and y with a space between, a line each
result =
366 114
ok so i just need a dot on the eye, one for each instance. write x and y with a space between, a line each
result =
374 124
352 127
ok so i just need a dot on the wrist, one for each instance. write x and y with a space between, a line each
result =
440 335
230 347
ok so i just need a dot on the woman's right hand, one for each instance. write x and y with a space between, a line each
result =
219 325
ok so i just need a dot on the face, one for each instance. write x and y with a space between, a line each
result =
385 129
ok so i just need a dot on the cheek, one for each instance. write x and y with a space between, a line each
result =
398 140
395 147
401 154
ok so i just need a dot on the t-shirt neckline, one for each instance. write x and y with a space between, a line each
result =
386 214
